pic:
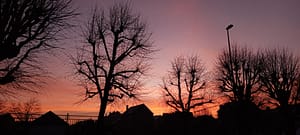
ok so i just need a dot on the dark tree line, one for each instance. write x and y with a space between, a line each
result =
269 78
21 111
274 72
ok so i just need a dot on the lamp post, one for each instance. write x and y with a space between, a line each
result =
230 59
228 40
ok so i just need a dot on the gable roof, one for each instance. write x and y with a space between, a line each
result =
138 109
49 118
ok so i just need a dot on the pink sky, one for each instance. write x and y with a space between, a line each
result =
183 27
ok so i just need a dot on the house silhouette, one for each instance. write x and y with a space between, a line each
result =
136 120
49 124
141 109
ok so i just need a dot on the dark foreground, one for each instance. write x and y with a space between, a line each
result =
139 120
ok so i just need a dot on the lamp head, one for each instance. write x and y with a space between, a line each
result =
229 26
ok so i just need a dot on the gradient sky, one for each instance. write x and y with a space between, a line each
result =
182 27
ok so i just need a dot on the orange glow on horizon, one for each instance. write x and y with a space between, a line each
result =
178 28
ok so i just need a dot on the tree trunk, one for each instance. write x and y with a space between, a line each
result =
288 117
102 110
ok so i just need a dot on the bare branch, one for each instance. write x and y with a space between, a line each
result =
117 50
189 75
242 80
28 30
280 73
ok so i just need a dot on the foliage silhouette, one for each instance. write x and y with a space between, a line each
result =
7 124
239 117
234 118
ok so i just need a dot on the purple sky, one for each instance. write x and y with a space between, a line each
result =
186 27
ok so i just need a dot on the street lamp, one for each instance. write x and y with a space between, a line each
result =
228 40
229 26
230 59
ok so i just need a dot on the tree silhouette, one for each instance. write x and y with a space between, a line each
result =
23 111
280 76
239 77
296 95
115 55
28 28
185 85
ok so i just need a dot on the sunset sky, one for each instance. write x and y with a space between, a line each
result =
180 27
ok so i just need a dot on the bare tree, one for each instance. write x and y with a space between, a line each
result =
115 55
28 29
184 88
26 110
280 80
238 74
280 76
296 95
